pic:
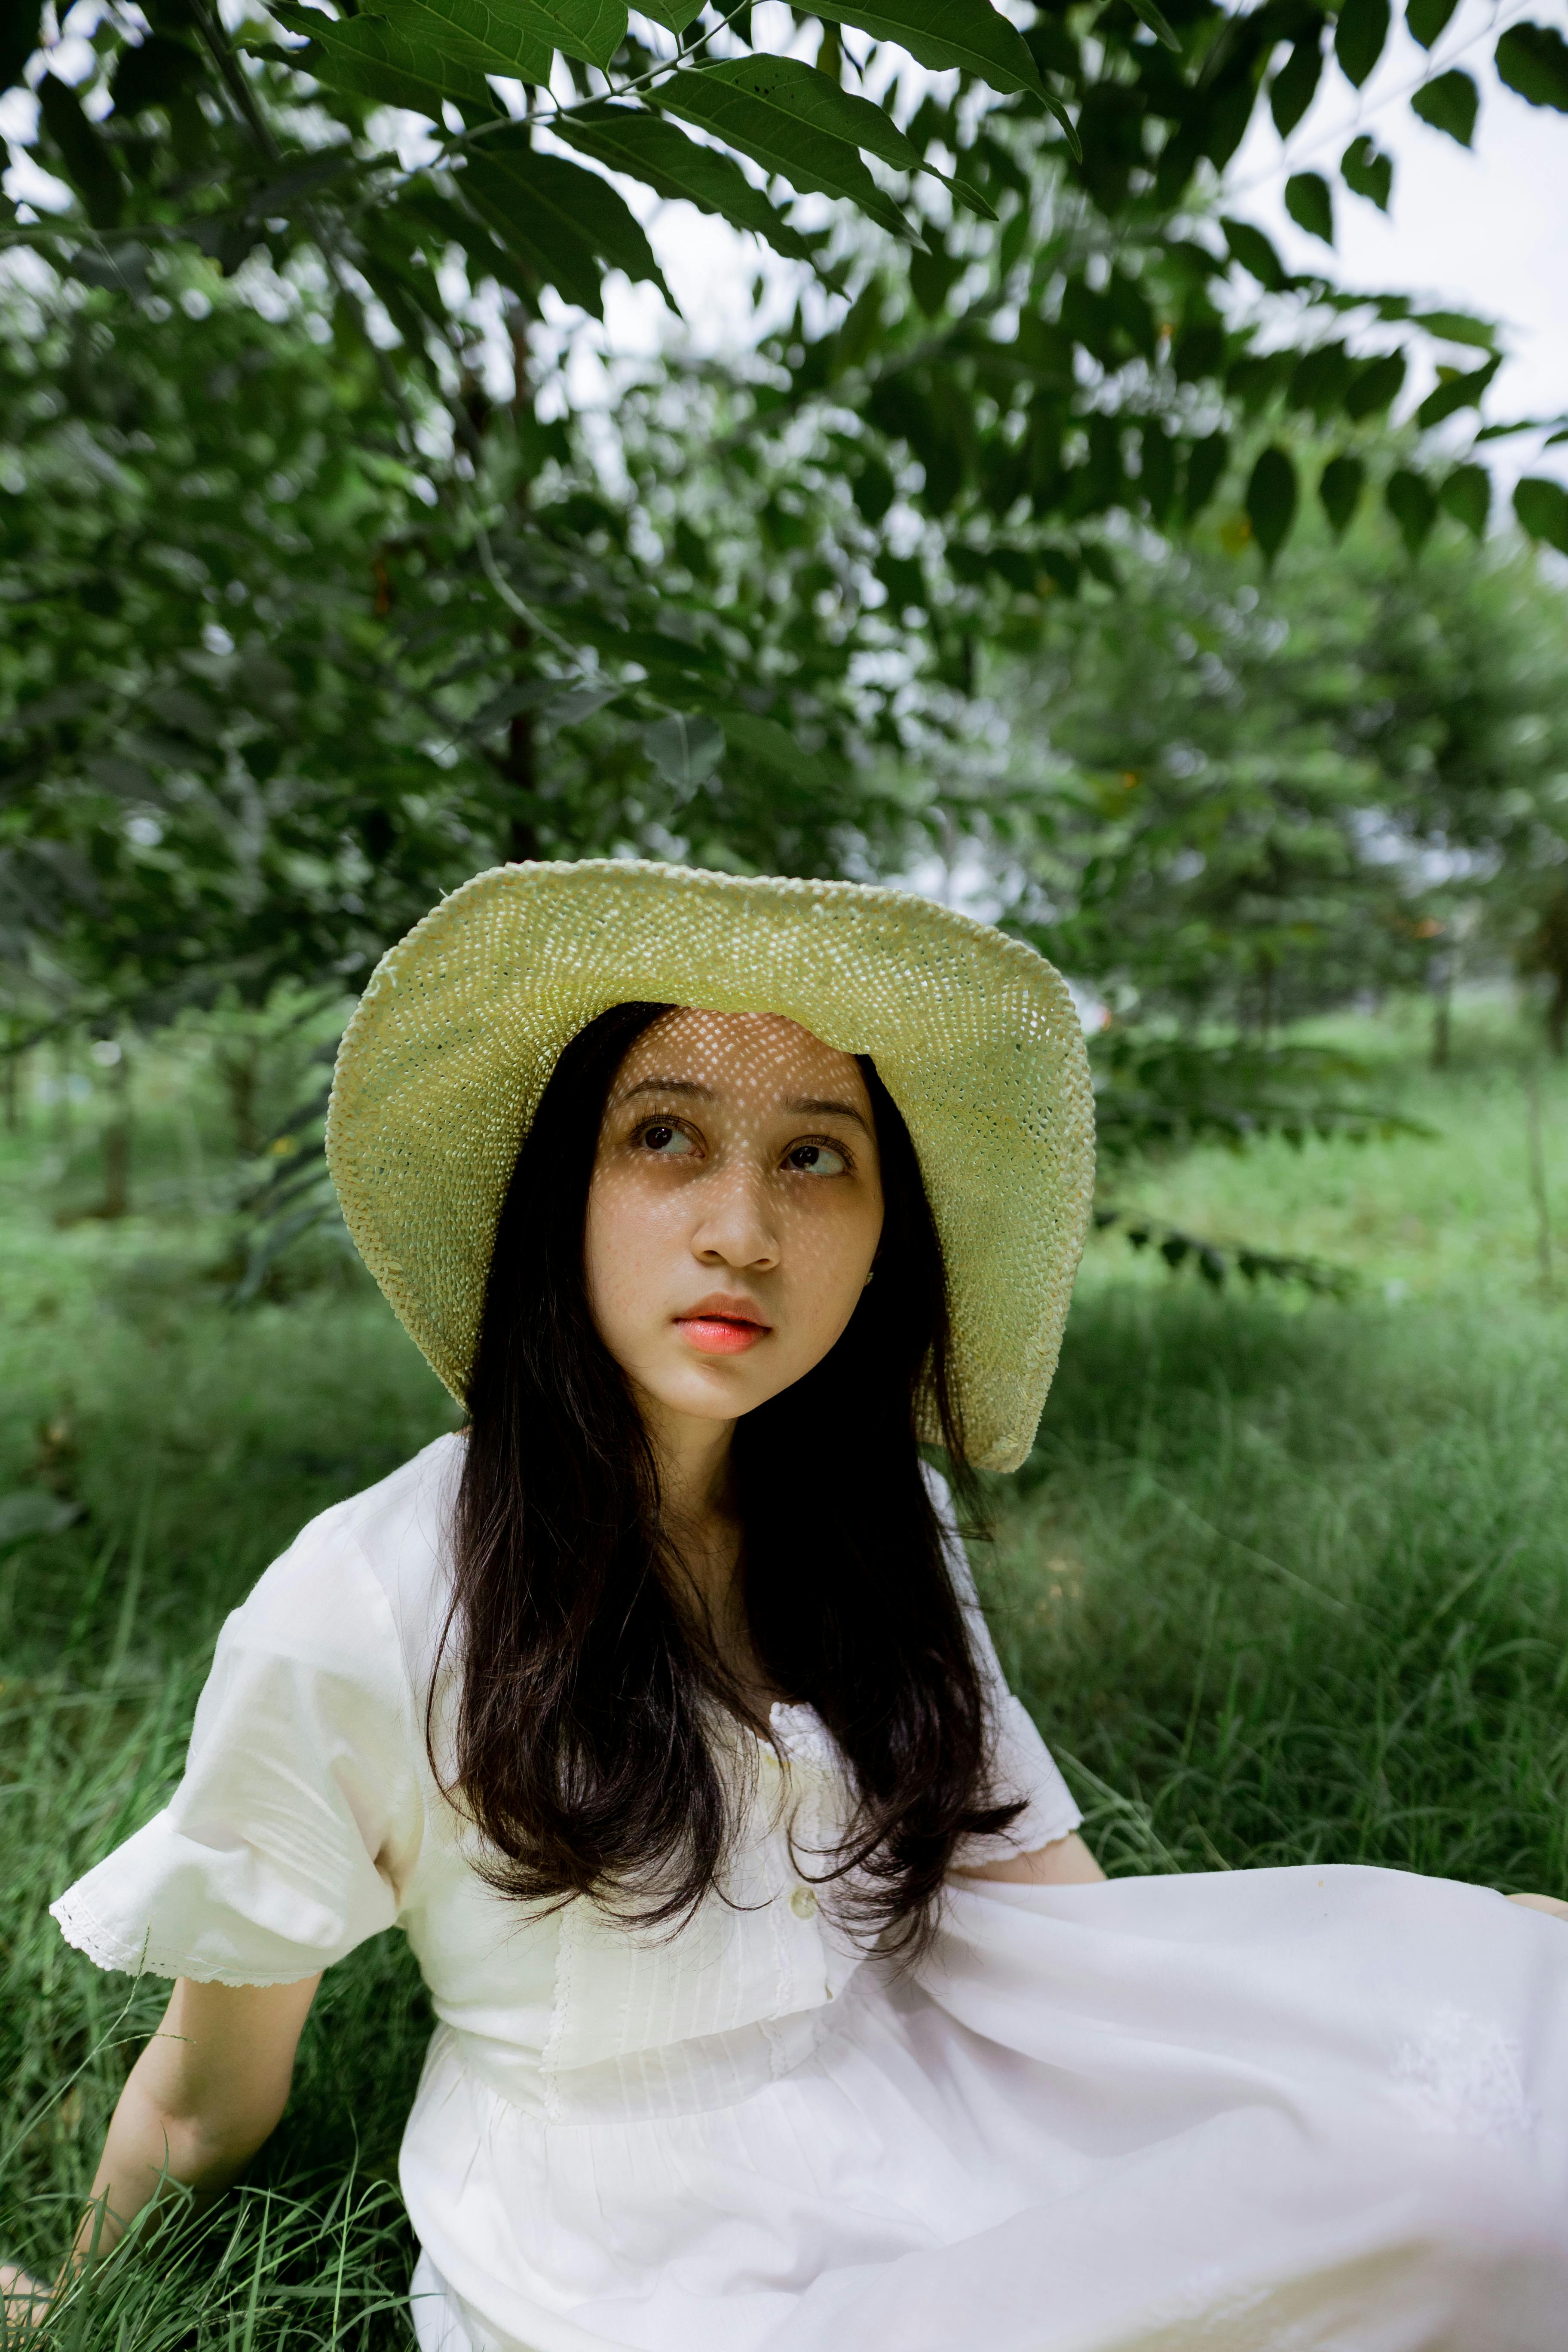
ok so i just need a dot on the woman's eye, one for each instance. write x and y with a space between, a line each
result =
815 1160
663 1141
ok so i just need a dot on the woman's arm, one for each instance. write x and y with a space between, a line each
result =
1066 1861
206 2092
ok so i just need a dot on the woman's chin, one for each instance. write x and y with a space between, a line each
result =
709 1388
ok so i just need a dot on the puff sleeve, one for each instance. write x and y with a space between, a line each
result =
1022 1765
300 1816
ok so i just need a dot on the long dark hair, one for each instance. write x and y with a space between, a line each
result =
583 1749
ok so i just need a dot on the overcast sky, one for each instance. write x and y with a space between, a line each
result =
1484 229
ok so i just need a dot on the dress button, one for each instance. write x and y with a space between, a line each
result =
803 1903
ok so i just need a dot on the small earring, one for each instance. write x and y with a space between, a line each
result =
867 1277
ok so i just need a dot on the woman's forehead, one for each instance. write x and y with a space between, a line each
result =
755 1054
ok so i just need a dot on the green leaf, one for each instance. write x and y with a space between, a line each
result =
549 255
1448 104
1147 13
933 274
1157 474
673 14
782 114
941 34
564 200
1534 60
365 57
88 166
1321 379
1457 327
964 194
1100 565
1272 496
1541 507
815 97
19 34
685 751
1466 494
1207 462
873 490
522 30
152 72
492 37
1340 490
1428 18
1359 37
1556 425
1309 205
1411 501
776 748
1456 392
647 148
1295 86
1367 173
1378 386
1252 250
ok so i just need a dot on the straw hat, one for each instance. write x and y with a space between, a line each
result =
973 1033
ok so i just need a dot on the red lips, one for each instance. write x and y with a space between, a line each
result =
721 1325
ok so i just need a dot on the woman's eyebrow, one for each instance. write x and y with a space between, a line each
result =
798 1106
805 1106
666 1086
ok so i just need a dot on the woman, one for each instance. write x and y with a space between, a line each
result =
781 2007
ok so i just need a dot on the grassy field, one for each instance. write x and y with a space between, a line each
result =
1285 1580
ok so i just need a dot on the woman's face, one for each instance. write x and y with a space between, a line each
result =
734 1211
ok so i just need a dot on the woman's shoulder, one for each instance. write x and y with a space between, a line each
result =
368 1573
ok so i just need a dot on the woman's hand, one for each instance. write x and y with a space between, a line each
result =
1548 1903
23 2301
198 2103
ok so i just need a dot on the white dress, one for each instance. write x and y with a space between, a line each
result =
1269 2111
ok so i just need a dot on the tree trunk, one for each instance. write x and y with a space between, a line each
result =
1538 1176
116 1199
1440 981
521 770
62 1102
521 766
1547 952
239 1070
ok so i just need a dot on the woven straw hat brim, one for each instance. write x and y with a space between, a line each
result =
974 1035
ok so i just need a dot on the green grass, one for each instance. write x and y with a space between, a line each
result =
1453 1221
1284 1581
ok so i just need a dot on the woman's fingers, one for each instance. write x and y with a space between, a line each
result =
23 2299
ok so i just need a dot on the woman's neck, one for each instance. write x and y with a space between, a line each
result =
697 1493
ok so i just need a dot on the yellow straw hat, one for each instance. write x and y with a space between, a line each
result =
973 1033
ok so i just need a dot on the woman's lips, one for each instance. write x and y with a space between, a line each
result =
720 1335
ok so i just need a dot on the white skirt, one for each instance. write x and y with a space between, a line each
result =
1267 2111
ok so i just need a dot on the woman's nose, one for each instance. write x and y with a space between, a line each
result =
735 1220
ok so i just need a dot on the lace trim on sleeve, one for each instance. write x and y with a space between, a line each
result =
87 1933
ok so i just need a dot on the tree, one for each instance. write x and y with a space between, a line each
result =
1019 343
1030 331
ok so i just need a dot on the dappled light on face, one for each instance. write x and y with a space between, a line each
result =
734 1209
